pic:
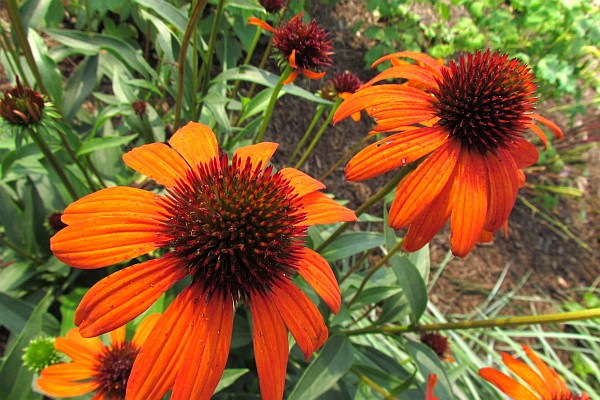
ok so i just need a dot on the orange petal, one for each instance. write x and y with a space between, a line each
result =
321 209
540 133
356 116
127 293
312 75
430 221
118 335
301 183
196 143
79 349
262 24
469 203
161 356
291 78
144 329
555 128
317 272
503 182
157 161
507 385
68 372
300 315
259 153
554 382
524 153
423 185
270 346
431 382
116 202
104 241
206 355
428 61
406 71
399 99
530 377
60 388
393 152
292 60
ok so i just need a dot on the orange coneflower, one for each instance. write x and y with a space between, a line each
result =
306 47
95 367
545 385
237 229
467 120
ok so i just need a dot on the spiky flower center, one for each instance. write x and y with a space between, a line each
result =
311 43
485 100
346 82
272 6
436 342
115 365
21 105
235 226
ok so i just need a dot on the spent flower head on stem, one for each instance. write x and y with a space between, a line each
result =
21 105
305 47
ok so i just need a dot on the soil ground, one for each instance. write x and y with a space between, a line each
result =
540 260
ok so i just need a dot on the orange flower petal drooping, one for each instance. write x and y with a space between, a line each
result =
467 122
94 366
237 229
543 384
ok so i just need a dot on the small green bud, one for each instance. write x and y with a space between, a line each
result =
40 354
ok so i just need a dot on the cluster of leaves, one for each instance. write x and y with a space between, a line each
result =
559 37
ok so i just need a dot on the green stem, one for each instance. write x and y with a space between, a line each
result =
8 48
15 19
345 157
185 42
320 110
69 150
313 143
356 265
271 105
210 52
376 267
262 64
41 144
382 392
22 253
95 172
248 56
484 323
366 205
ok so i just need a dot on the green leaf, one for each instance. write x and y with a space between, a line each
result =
14 314
325 370
413 285
350 243
429 363
265 78
108 142
230 375
15 379
377 294
79 86
18 273
167 12
47 67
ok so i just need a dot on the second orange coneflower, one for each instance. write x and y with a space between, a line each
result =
305 47
543 384
467 122
95 367
237 229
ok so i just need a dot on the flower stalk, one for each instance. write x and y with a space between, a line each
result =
185 42
267 117
484 323
313 143
320 110
41 144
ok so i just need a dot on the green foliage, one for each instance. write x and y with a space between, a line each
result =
559 38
